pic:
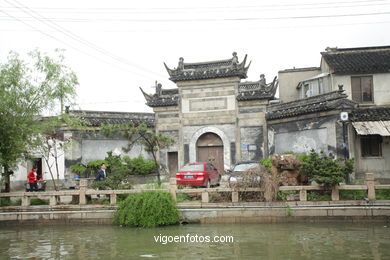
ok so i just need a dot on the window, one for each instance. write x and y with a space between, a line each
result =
371 145
362 89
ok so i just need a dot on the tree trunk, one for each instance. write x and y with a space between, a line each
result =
51 173
7 179
158 168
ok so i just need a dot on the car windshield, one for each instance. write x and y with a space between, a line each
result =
192 167
244 167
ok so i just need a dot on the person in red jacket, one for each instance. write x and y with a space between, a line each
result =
32 179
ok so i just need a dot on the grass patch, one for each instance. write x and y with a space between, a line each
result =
183 197
353 194
6 202
38 201
319 195
382 194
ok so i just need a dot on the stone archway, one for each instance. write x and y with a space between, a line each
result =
209 148
220 134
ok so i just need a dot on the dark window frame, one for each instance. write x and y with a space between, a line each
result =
357 88
371 145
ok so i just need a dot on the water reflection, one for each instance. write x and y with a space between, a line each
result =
251 241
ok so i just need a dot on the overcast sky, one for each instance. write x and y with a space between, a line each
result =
116 46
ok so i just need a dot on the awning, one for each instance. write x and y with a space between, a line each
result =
372 128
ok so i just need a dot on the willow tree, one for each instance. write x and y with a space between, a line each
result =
28 88
140 134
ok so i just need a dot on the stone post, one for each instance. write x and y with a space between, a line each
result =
172 187
205 197
335 193
370 182
53 200
25 201
303 195
113 198
234 196
83 189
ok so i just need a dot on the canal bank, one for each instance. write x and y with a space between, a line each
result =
276 212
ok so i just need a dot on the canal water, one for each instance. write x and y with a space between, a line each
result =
250 241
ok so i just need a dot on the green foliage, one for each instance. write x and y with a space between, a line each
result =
28 89
382 194
289 211
183 197
38 201
266 162
147 209
282 195
353 194
324 170
5 202
140 166
95 165
140 134
78 168
318 195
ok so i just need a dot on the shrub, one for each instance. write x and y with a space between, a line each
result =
78 168
266 162
147 209
140 166
324 170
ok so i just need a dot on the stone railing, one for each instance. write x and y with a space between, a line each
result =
83 192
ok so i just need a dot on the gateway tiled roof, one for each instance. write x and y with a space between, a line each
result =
358 60
98 118
208 70
370 114
319 103
167 97
256 91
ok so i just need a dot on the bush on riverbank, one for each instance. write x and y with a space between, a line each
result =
147 209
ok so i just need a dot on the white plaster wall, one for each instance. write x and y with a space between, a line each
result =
97 149
24 167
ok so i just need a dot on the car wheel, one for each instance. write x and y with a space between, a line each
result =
219 181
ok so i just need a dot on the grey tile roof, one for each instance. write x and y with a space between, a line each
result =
208 70
370 114
319 103
256 91
98 118
358 60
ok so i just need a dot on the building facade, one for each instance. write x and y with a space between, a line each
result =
355 81
212 114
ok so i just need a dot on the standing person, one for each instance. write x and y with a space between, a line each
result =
32 179
101 173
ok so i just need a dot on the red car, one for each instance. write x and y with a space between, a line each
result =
198 175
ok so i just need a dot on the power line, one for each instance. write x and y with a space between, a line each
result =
77 38
214 19
206 7
67 44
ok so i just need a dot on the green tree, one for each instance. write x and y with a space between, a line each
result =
140 134
27 89
324 170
